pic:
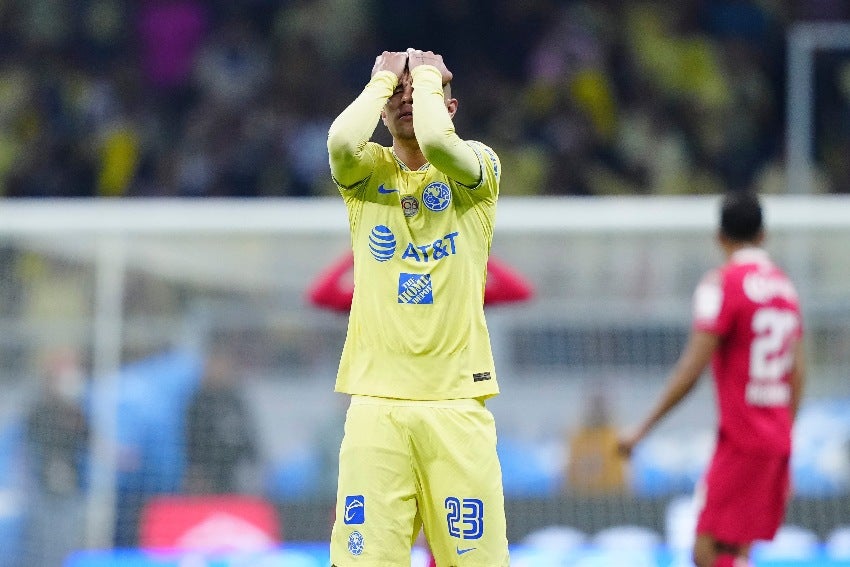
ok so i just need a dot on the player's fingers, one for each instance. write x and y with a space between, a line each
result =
377 64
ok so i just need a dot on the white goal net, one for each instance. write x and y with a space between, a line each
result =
146 293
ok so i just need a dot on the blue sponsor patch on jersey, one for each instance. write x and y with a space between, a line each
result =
355 509
415 288
437 196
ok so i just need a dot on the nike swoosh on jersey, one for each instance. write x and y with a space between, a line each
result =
462 551
384 190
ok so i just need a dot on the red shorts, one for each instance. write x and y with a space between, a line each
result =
743 496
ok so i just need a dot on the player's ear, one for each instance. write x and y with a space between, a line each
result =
451 106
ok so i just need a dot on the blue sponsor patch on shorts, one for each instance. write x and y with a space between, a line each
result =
355 509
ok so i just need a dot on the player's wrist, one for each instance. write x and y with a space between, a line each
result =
384 80
427 72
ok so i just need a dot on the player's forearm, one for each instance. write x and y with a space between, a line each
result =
439 143
676 390
690 366
680 385
353 128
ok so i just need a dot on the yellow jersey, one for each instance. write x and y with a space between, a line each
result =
421 241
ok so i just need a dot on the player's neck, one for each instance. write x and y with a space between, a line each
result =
731 249
409 153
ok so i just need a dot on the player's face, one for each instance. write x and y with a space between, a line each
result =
398 112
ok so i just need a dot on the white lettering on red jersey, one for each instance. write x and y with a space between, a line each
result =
753 307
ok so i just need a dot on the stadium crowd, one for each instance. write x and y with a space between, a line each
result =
233 98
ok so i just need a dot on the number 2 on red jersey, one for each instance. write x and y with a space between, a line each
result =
771 355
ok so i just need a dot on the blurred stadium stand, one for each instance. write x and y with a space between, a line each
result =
223 98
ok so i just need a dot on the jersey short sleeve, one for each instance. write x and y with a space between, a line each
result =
491 167
710 305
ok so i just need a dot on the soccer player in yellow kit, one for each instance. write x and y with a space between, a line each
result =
419 449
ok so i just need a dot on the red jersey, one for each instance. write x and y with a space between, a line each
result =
753 307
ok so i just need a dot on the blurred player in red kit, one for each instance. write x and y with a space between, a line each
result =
332 291
747 323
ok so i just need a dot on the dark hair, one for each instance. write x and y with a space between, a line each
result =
741 216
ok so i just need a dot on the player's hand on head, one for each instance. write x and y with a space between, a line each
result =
393 61
417 57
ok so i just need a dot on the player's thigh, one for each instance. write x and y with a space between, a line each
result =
462 500
376 506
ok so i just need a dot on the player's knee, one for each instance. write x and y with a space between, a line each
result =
702 559
704 553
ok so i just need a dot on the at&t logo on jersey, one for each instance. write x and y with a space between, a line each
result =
437 250
382 243
437 196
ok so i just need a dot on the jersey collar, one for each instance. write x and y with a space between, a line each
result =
750 255
404 167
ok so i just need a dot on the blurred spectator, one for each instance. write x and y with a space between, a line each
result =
57 437
220 437
591 97
594 467
171 33
232 67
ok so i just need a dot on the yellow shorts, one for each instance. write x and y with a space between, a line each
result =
406 465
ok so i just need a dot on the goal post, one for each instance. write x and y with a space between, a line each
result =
804 41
